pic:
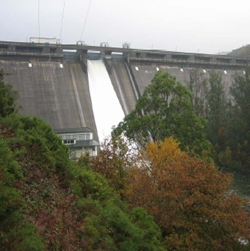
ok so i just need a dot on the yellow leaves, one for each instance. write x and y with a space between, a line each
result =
162 153
187 196
186 193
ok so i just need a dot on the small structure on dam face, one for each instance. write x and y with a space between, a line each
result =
80 141
45 40
126 45
104 44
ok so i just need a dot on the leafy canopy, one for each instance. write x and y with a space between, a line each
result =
189 200
164 110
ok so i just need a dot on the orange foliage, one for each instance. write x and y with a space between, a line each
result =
114 161
189 199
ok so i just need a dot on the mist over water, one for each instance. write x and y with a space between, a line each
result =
106 106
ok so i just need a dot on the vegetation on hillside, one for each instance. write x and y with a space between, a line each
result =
227 116
168 196
48 202
189 198
242 52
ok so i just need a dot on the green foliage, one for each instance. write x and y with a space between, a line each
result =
51 203
165 110
198 85
109 223
229 123
36 140
10 200
15 232
25 238
237 133
216 107
240 90
86 182
7 98
225 157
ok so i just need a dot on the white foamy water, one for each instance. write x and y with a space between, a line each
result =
106 106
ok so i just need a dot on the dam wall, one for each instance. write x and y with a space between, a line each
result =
122 84
145 73
56 92
53 81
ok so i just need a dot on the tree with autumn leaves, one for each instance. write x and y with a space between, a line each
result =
188 197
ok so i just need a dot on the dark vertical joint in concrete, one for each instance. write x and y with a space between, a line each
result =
126 57
191 58
59 50
106 55
233 61
82 56
133 80
46 49
11 48
168 57
138 54
213 60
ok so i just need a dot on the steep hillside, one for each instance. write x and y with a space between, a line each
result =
242 52
48 202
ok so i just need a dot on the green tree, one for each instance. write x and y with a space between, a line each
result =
165 110
198 85
238 131
216 107
229 125
109 223
7 97
15 232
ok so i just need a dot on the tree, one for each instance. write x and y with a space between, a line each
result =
216 107
189 199
198 85
165 110
114 161
7 98
234 135
240 90
16 233
108 223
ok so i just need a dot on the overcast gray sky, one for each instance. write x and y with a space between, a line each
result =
176 25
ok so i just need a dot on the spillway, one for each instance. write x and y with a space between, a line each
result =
106 106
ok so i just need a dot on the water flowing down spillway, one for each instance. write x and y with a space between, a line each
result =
106 106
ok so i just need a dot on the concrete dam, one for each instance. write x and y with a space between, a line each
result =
76 86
